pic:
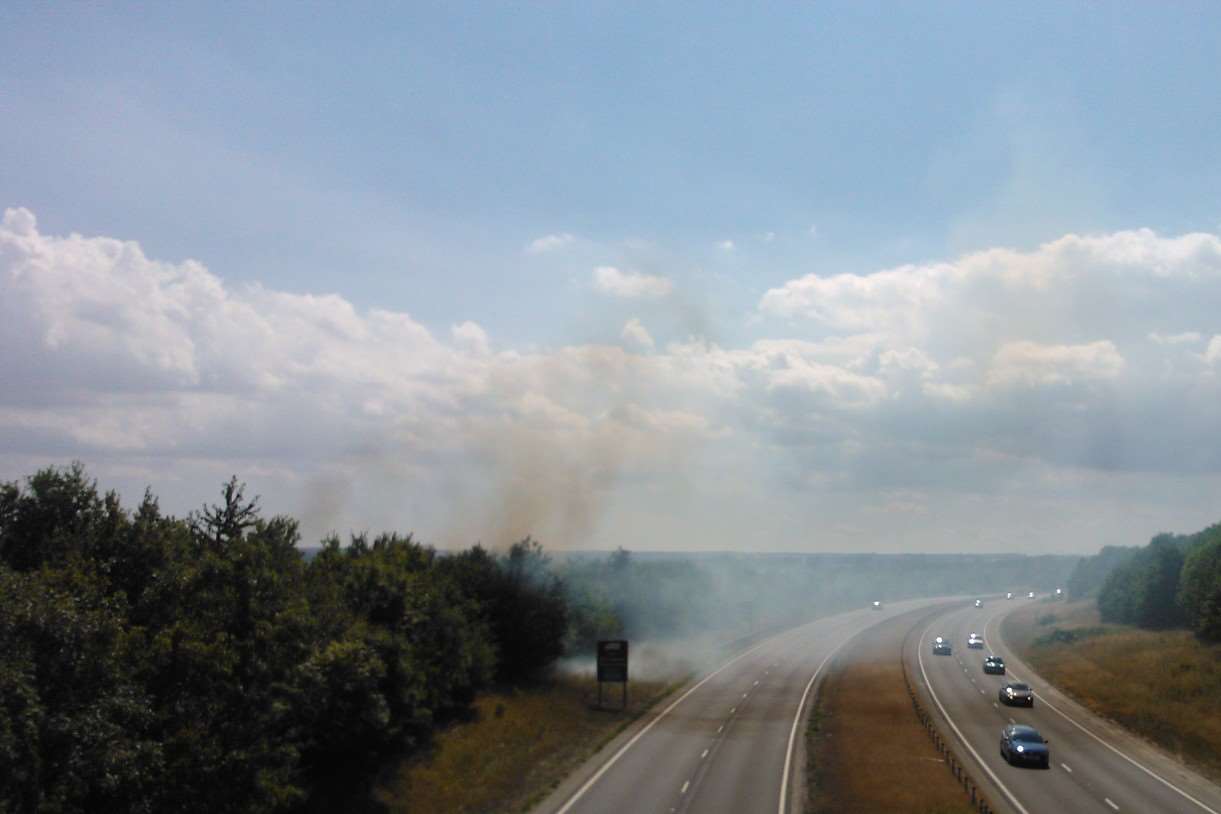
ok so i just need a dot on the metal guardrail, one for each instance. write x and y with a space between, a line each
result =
978 801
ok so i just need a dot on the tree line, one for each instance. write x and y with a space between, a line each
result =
1174 581
150 663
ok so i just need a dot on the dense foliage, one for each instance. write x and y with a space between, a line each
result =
1173 581
149 663
1091 572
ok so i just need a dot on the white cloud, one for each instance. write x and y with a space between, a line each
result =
986 384
768 237
1186 338
813 231
637 334
549 243
630 284
1029 363
725 245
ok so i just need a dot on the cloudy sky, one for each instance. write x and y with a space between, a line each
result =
837 277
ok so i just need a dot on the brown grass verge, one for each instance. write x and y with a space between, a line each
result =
867 751
519 746
1164 685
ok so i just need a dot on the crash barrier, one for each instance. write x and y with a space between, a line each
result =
978 801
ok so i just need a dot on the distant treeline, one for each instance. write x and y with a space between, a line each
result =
204 664
1174 581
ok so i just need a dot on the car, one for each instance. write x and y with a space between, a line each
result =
1030 595
942 647
994 665
877 605
979 603
1024 744
1016 694
1009 595
975 641
1059 593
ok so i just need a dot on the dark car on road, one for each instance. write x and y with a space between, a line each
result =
942 647
1024 745
994 665
1016 694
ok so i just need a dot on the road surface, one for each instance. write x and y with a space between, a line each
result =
733 741
1095 766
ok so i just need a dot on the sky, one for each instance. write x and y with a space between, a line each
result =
810 277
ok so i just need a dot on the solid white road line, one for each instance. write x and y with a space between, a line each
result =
686 786
1140 766
1066 768
788 752
1112 805
704 755
579 793
957 731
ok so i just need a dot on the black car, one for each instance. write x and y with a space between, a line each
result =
1016 694
942 647
994 665
1023 744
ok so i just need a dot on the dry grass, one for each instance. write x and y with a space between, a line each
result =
868 751
1164 685
520 745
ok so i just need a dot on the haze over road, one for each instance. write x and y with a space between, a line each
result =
1095 766
731 741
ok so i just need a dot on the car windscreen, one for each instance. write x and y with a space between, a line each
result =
1029 736
1018 687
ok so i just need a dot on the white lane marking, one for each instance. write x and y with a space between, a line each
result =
743 695
732 711
579 793
957 731
704 754
1012 721
686 786
981 692
994 706
1112 805
1066 768
1140 766
756 684
788 752
719 728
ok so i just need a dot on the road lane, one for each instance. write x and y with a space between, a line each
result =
1085 775
720 746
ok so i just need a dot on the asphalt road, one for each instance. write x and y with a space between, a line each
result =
1095 766
731 742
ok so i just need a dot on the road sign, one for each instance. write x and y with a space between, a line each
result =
612 660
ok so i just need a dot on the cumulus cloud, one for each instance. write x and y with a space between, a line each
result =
549 243
637 334
630 284
725 245
986 386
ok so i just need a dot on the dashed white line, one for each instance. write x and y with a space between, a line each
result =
1066 768
1111 804
686 786
719 728
743 695
756 684
704 754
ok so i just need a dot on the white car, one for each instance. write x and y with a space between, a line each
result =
1009 595
979 603
975 641
1030 595
877 605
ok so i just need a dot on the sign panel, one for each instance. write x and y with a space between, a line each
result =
612 660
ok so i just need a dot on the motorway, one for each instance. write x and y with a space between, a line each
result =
732 742
1095 766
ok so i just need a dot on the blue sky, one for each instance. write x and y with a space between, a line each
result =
406 158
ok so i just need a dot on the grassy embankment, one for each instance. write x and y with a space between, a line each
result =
1164 685
867 752
518 747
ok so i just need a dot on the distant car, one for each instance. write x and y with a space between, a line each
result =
1024 744
994 665
1009 595
877 605
979 603
1059 592
1016 695
1030 595
975 641
942 647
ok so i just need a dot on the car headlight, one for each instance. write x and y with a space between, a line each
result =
1021 748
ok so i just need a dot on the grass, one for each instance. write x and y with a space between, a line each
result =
519 746
867 751
1164 685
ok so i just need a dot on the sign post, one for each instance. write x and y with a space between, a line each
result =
612 666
